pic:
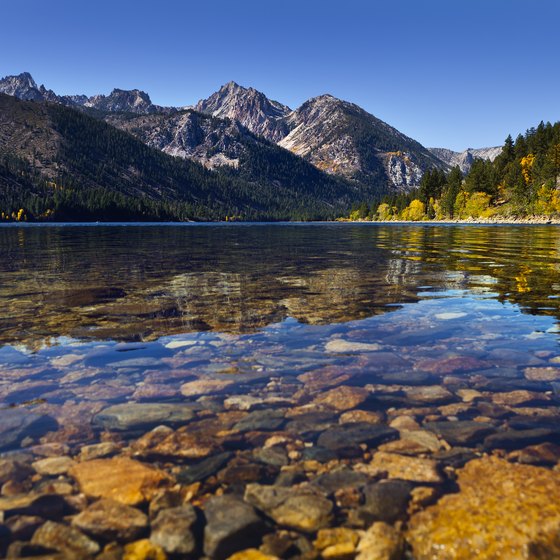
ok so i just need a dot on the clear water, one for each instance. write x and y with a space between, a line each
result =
97 315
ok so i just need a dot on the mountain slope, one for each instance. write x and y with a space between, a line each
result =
76 160
250 107
465 159
342 138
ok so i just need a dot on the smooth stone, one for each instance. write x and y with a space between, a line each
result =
516 439
53 466
288 507
542 373
274 456
337 543
67 540
143 549
383 501
461 432
204 469
452 364
540 454
18 424
402 467
332 481
407 377
12 470
343 398
174 530
341 346
251 554
502 510
521 396
124 480
356 416
163 442
381 542
49 506
98 450
111 520
346 439
231 525
319 454
415 442
135 416
261 421
430 394
456 457
208 386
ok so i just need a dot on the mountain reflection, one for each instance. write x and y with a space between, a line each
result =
140 283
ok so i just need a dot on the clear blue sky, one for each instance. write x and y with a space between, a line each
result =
451 73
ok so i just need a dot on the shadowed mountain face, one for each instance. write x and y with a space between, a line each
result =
141 283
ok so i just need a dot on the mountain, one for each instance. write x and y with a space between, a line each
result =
60 162
465 159
342 138
250 107
24 87
334 135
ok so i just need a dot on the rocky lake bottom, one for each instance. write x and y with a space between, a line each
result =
258 392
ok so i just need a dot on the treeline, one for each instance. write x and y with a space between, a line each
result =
100 173
524 180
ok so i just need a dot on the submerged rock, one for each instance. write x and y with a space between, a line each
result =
121 479
67 540
18 424
347 438
231 525
174 530
381 542
111 520
502 511
134 416
405 468
343 398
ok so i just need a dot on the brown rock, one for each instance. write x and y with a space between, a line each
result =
540 454
513 398
111 520
121 479
67 540
343 398
201 387
542 373
330 376
164 442
453 364
369 416
403 467
502 511
430 394
53 466
381 542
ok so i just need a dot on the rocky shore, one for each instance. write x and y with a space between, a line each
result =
380 459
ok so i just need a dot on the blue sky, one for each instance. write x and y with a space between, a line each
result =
448 73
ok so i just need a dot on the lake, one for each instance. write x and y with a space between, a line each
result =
326 360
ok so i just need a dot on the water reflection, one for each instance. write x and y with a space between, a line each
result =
141 283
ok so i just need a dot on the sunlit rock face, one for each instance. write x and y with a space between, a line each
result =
465 159
250 107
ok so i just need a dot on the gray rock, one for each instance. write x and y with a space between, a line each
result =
346 439
517 439
461 432
231 525
384 501
132 416
174 529
66 540
18 424
274 456
204 469
14 470
342 478
111 520
261 421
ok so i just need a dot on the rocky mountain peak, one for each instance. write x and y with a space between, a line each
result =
248 106
23 86
465 158
120 100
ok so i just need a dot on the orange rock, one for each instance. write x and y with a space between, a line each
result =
121 479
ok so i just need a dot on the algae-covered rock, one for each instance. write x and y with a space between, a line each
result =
502 511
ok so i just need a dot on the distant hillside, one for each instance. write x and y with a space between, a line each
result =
465 159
